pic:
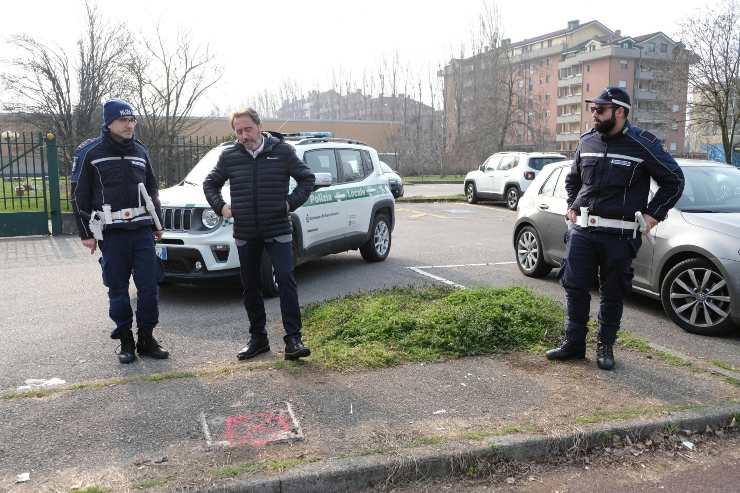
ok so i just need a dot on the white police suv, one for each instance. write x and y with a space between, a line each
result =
351 208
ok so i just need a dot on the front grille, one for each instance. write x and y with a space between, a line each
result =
177 219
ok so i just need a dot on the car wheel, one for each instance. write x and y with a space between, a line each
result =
269 280
529 257
512 197
470 194
695 295
378 246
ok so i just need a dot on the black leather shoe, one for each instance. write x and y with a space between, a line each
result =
604 356
256 345
147 345
295 349
128 347
567 350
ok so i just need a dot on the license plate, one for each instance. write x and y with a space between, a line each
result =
161 252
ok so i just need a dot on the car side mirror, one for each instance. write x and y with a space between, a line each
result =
482 167
322 180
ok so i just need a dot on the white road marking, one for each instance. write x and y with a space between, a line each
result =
420 270
206 431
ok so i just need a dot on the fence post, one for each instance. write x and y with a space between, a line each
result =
55 204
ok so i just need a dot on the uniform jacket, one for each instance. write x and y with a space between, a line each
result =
259 187
611 175
107 172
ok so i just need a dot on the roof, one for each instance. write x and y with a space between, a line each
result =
553 34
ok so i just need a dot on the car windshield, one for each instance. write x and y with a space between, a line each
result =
539 162
204 166
710 189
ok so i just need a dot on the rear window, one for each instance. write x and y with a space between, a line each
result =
539 162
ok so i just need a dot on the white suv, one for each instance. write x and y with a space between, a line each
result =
352 210
506 176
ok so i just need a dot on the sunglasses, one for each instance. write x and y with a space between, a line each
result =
599 109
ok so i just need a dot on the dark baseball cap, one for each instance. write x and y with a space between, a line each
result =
613 95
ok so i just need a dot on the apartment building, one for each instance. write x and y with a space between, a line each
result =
553 74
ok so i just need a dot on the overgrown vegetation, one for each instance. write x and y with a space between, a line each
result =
277 465
383 328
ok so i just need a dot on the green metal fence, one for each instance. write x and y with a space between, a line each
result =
35 171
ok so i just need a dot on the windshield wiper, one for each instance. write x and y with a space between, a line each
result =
701 211
189 183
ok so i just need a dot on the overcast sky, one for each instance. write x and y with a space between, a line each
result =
261 43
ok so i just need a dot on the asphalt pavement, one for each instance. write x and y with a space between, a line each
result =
55 325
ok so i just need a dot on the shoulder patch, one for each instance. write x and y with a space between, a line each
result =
86 143
589 132
648 136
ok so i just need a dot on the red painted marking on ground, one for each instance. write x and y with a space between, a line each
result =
255 429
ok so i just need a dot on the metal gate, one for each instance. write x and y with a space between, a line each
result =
29 185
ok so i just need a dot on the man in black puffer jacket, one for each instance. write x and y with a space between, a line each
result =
259 166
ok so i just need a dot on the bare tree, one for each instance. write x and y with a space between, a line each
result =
712 43
168 80
63 92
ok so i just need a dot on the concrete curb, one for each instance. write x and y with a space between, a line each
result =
358 473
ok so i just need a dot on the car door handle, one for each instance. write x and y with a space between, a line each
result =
543 206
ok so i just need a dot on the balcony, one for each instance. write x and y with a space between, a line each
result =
646 75
573 80
644 116
575 99
646 95
567 137
571 118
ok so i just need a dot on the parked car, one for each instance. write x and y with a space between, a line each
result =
506 176
394 180
352 208
690 262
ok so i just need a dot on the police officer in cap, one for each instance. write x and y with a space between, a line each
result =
608 186
116 205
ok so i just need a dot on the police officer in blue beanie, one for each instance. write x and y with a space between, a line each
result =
608 187
116 206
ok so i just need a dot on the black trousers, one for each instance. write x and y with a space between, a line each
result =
250 258
588 252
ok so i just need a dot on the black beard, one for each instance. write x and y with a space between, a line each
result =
606 126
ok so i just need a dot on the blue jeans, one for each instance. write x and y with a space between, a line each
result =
588 252
127 252
250 258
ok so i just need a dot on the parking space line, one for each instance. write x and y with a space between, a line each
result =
420 270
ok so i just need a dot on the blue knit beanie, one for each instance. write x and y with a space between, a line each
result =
116 108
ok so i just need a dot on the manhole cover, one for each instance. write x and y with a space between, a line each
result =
252 427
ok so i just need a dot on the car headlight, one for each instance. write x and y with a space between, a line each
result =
209 218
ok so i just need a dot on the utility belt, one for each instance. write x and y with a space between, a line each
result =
586 220
99 219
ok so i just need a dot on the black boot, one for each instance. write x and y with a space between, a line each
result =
257 345
604 355
128 347
147 345
295 349
567 350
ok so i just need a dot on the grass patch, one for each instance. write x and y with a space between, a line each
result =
170 375
625 414
672 360
384 328
733 381
91 489
724 366
278 465
630 341
433 198
148 483
414 180
506 430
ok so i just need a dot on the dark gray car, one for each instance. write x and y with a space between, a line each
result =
690 262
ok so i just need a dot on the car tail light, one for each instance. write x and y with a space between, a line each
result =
529 175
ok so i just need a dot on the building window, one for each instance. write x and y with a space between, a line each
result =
673 146
674 126
622 83
588 67
588 87
663 48
651 48
674 108
623 64
549 43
